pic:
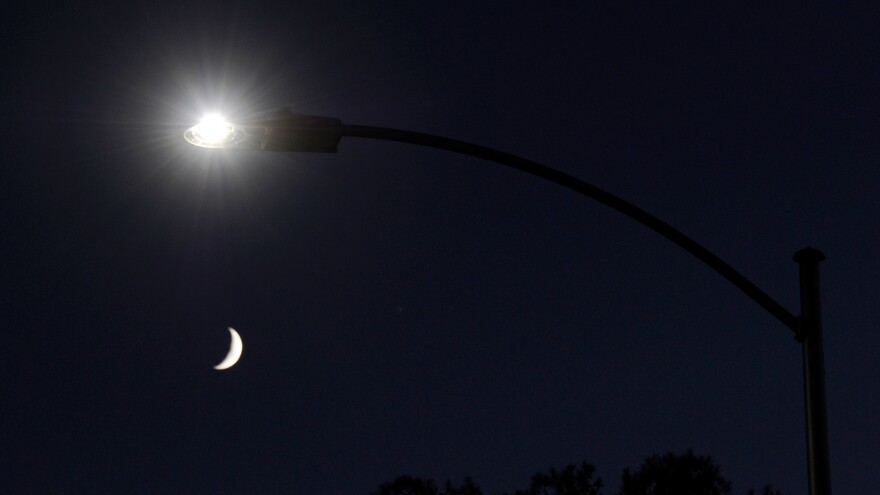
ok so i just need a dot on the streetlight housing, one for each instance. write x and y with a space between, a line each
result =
284 130
279 130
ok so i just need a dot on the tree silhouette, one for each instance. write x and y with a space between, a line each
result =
667 474
675 474
408 485
768 490
468 487
570 480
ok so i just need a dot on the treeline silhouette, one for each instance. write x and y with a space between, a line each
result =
667 474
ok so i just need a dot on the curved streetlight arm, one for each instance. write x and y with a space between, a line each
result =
285 131
807 327
589 190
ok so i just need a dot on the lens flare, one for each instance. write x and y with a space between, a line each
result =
213 131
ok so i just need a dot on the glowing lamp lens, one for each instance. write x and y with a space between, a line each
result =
213 129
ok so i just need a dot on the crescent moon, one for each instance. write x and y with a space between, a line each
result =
235 348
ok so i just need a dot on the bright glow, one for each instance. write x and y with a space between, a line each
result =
213 129
212 132
235 348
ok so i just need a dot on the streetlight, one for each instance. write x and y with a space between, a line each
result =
285 131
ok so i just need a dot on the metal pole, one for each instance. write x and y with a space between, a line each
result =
810 336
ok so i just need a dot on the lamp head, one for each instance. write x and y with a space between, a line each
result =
280 130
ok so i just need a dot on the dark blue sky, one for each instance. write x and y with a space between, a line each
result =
410 311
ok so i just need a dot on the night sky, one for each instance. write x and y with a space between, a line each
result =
406 310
